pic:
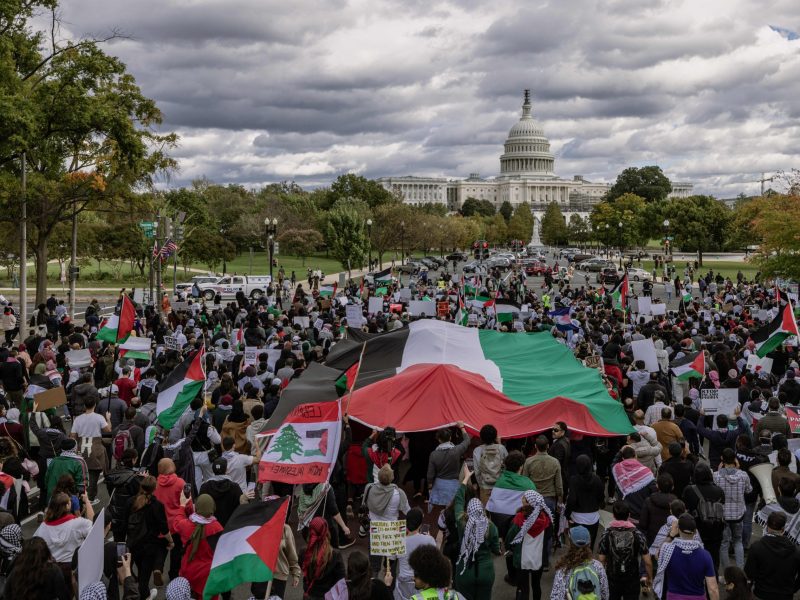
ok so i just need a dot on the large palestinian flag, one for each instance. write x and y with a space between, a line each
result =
247 549
688 366
434 373
620 293
118 327
179 388
773 333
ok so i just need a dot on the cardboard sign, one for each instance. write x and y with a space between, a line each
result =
420 307
250 355
443 309
644 303
719 401
658 309
354 316
645 350
756 364
80 358
302 321
404 294
387 538
49 399
90 555
375 305
171 342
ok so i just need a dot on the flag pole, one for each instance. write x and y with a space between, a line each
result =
355 379
269 590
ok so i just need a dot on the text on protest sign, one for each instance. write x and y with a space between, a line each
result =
387 538
793 416
719 401
355 318
250 355
171 342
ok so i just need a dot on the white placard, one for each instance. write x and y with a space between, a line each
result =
354 316
756 364
375 305
763 315
171 342
720 401
318 324
645 350
418 307
90 555
273 354
302 321
250 355
79 358
645 304
404 294
658 309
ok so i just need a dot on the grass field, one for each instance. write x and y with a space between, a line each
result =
728 268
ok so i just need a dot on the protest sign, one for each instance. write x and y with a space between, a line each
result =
756 364
793 416
443 309
79 358
644 303
49 399
354 316
318 324
302 321
404 294
273 354
91 555
176 306
645 350
171 342
250 355
658 309
519 326
420 307
375 305
396 308
387 538
719 401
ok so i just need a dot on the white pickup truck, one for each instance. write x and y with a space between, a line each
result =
253 286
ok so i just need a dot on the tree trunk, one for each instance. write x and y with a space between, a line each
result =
40 259
700 257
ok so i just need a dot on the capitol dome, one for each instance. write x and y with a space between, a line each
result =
527 151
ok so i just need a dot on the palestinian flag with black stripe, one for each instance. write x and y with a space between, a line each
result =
688 366
179 388
773 333
505 310
385 275
247 549
619 294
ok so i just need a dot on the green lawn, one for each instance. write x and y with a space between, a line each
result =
728 268
260 262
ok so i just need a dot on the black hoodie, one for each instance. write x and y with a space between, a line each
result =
226 495
773 564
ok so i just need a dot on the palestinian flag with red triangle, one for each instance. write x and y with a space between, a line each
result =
117 328
620 293
247 549
179 388
688 366
773 333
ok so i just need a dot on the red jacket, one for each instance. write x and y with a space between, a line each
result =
196 570
168 491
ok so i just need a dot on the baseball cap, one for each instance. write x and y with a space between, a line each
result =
220 466
580 535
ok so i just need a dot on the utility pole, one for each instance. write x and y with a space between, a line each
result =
73 263
177 237
764 179
160 232
23 253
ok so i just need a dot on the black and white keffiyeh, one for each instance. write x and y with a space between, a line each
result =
179 589
94 591
474 532
536 502
11 540
685 546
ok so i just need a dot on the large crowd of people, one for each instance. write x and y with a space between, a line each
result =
674 507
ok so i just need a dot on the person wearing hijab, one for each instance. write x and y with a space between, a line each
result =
479 540
194 531
35 576
235 426
179 589
525 537
322 566
585 498
94 591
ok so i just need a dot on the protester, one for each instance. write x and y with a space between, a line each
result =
577 572
404 585
322 565
432 575
685 566
773 563
488 460
735 485
621 547
526 539
385 501
194 531
585 498
444 466
148 537
36 576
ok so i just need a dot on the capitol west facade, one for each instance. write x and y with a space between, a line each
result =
527 174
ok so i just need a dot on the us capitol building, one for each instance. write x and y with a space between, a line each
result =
527 174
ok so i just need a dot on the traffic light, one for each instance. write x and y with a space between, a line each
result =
476 251
485 249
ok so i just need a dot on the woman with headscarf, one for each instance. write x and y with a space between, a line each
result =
526 539
10 547
479 540
586 497
197 554
235 426
179 589
322 566
35 575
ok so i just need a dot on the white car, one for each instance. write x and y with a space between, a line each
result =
637 274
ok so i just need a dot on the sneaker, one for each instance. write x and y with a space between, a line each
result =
346 542
362 531
153 594
158 578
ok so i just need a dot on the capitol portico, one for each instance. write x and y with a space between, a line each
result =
527 174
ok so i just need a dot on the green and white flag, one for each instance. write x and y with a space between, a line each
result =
507 493
505 310
462 316
180 387
327 291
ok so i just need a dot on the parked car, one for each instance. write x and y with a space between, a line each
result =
189 286
534 267
253 286
471 267
580 257
498 262
457 256
608 275
440 262
637 274
595 265
412 266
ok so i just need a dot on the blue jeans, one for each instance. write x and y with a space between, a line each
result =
747 524
731 533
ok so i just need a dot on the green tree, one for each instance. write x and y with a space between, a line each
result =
351 185
628 210
287 444
473 206
301 242
520 227
649 183
554 230
698 223
346 235
506 210
777 224
495 230
578 229
386 227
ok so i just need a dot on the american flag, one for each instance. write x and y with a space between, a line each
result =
168 249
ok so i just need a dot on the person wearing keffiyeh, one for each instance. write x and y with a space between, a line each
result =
479 539
684 565
526 539
194 531
635 482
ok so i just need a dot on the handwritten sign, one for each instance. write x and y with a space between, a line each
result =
171 342
354 316
375 305
250 355
387 538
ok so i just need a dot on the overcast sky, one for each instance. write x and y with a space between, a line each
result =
263 91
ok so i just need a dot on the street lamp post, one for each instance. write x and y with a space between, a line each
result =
402 242
271 228
619 241
369 246
667 246
608 246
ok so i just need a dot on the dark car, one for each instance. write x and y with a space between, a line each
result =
456 256
608 275
437 259
579 257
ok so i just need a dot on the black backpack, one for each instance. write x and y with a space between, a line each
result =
623 553
709 514
137 527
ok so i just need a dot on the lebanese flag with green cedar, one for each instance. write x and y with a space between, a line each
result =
773 333
247 549
691 365
180 387
620 293
117 328
507 493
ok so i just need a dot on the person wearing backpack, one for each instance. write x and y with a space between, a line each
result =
122 484
148 535
578 575
127 436
705 502
621 546
488 461
735 483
